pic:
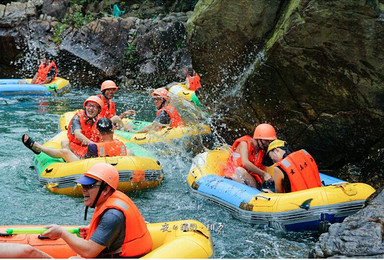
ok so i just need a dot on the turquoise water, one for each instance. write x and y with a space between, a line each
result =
24 201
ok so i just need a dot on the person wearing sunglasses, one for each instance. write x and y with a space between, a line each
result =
117 228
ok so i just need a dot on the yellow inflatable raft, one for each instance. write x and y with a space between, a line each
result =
175 239
135 172
311 209
165 135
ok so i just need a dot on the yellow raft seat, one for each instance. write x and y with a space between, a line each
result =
165 135
311 209
137 172
174 239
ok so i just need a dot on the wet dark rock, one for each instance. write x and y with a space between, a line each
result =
360 235
138 52
313 69
55 8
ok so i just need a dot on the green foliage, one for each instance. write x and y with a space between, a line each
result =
57 39
78 19
180 44
130 55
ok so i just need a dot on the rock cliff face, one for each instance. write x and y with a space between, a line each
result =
360 235
313 69
138 52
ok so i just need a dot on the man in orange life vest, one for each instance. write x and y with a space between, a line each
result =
293 171
82 127
192 80
47 71
117 228
245 164
107 146
166 114
108 90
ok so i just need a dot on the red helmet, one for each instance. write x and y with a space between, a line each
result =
265 131
104 172
94 99
108 84
160 92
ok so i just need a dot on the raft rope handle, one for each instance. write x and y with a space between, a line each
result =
262 196
140 139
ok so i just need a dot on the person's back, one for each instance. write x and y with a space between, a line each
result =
293 171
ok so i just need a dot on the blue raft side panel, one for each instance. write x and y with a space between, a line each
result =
7 89
329 180
235 193
226 189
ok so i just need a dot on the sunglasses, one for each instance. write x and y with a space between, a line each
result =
89 187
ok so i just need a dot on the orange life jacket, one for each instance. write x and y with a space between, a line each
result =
114 148
108 110
301 169
173 114
137 240
88 129
194 82
44 70
233 163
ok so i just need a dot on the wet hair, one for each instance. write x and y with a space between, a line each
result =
104 126
47 56
190 71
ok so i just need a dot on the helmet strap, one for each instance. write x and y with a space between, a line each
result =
101 189
162 103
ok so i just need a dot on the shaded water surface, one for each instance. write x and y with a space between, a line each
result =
24 201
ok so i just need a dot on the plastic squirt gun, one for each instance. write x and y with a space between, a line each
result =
14 231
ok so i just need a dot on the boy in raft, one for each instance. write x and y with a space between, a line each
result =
293 171
192 79
117 228
107 146
108 90
47 71
166 115
245 164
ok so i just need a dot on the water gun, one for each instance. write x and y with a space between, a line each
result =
14 231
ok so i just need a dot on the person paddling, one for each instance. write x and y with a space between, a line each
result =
117 228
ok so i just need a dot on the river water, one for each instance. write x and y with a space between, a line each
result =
24 201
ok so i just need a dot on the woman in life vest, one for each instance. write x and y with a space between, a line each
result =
107 146
245 164
293 171
47 71
192 79
166 115
117 228
108 90
82 127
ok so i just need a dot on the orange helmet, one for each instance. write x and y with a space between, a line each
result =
94 99
104 172
265 131
161 92
108 84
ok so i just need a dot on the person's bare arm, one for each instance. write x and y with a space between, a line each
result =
85 248
243 151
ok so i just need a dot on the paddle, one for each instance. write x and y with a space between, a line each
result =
14 231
